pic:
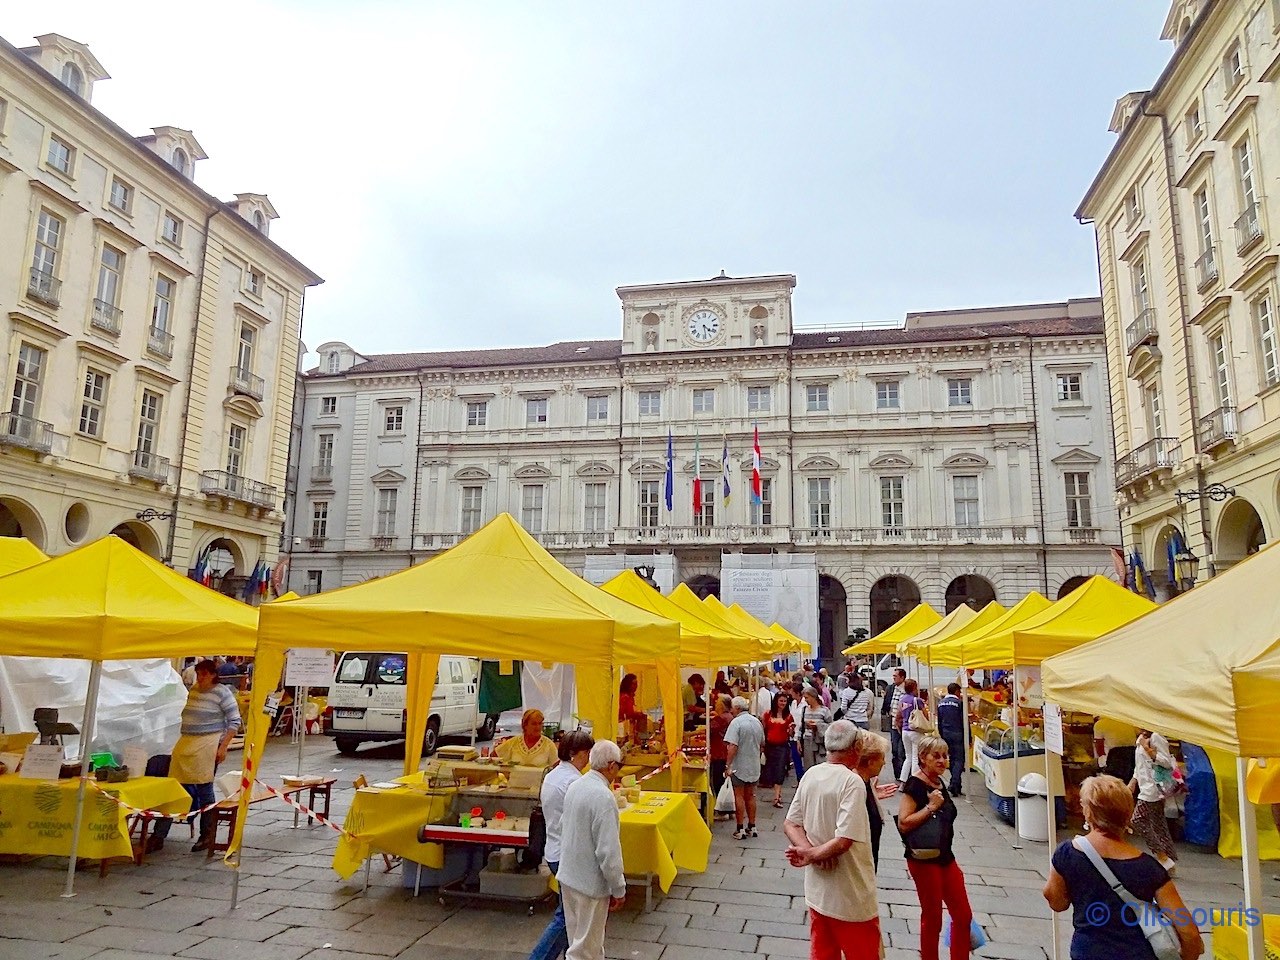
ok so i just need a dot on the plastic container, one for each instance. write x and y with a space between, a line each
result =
1033 813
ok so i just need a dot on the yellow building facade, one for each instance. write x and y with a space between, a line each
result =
1188 233
149 333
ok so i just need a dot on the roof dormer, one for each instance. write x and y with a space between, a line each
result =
1126 106
176 147
1182 16
70 62
257 210
336 357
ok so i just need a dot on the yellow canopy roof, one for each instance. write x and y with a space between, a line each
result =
1204 667
702 642
956 619
497 595
110 601
794 643
18 553
920 617
748 624
950 651
922 646
1086 613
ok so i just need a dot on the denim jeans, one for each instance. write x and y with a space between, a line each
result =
555 940
899 752
955 747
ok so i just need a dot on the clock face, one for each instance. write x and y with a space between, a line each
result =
704 326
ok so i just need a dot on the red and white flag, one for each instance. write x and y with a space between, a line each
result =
757 492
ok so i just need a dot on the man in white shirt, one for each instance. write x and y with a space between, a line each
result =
830 837
574 751
744 744
764 696
590 876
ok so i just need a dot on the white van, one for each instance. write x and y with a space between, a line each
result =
367 701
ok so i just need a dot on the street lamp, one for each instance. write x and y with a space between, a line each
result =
1186 565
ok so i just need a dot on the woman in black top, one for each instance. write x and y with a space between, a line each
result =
871 760
934 870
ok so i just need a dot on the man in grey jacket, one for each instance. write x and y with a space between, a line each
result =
590 874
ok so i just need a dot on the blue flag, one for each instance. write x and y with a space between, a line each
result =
670 490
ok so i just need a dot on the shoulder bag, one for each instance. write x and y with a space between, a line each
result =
1160 935
925 841
920 721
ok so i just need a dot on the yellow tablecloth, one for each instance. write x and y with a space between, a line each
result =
662 832
387 821
695 779
37 816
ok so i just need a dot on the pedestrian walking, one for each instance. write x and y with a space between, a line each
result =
830 837
908 705
859 708
816 720
777 745
926 820
873 751
1088 874
574 751
764 696
951 730
889 720
590 877
717 752
744 741
1154 782
798 711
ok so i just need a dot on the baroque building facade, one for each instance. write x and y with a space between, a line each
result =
1187 251
149 332
961 457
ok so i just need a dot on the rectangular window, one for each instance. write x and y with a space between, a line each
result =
761 513
531 498
706 517
110 271
535 410
1193 123
959 392
819 503
472 508
759 399
1079 503
1221 356
649 504
244 351
320 519
253 282
964 491
121 195
324 452
388 500
1132 207
594 499
49 230
704 400
149 423
1233 67
1155 412
315 581
817 398
328 406
333 362
171 229
1204 219
59 155
1245 175
597 409
1264 315
477 413
1070 388
236 437
93 401
893 508
650 403
162 305
393 419
887 395
27 380
1141 286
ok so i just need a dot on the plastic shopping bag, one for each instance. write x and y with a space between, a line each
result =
977 936
724 799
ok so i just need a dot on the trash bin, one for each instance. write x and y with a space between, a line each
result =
1033 811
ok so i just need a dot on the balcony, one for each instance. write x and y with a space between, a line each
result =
160 343
1083 534
1218 428
704 534
1206 270
1248 227
382 543
147 466
915 536
44 288
25 432
231 486
106 317
243 381
576 540
1141 331
438 541
316 543
322 473
1162 453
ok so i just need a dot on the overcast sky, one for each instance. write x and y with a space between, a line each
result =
483 174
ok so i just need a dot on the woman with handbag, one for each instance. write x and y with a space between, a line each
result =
913 712
1114 889
926 820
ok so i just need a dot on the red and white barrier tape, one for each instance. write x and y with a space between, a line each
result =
302 808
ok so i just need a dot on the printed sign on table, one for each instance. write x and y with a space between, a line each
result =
42 762
308 667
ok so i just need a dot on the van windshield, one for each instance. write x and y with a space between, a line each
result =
391 668
353 669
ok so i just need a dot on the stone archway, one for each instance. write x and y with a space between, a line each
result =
140 535
1240 534
19 519
226 566
1158 562
892 597
969 589
1070 584
704 585
833 618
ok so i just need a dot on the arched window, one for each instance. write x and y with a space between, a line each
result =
72 78
259 221
179 160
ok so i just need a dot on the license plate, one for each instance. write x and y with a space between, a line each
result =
349 714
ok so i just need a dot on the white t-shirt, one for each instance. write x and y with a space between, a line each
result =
799 712
764 700
554 786
830 802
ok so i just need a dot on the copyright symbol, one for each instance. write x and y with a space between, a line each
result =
1097 914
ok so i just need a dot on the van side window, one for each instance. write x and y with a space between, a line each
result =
353 670
455 671
391 669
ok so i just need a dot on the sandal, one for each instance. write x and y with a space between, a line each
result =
778 804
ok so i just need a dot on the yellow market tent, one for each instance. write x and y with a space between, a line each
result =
957 619
920 617
793 643
950 651
17 553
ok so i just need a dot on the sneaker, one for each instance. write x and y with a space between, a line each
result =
752 832
740 833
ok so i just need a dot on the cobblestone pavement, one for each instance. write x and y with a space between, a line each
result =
293 906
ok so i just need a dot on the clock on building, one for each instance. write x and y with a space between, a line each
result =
704 326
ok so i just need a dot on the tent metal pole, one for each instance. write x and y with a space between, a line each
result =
1053 841
1013 700
300 722
1249 861
86 744
963 677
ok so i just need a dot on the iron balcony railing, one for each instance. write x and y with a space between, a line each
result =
1248 227
1218 427
160 343
1206 269
1083 534
26 432
1142 330
912 535
1159 454
322 472
382 543
148 466
244 381
44 287
316 543
106 317
231 486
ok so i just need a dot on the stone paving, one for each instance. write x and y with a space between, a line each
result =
293 906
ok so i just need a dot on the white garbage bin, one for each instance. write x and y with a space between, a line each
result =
1033 812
